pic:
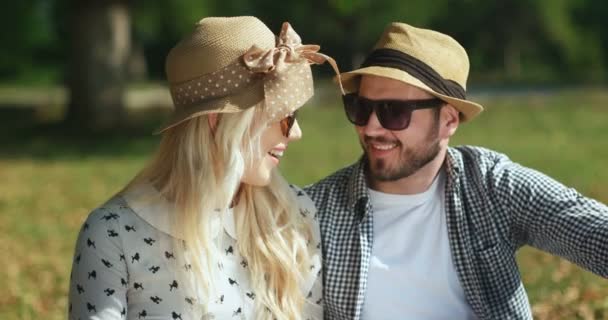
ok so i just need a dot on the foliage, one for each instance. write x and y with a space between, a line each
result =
29 41
542 41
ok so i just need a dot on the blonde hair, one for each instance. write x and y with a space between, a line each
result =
200 171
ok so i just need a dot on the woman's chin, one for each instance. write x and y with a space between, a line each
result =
258 180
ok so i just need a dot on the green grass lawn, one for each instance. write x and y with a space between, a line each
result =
50 182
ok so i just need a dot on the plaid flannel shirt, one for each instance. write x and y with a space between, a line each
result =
493 207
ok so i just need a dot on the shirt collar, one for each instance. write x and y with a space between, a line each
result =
358 194
145 200
453 165
357 184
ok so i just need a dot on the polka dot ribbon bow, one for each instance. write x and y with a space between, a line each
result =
288 81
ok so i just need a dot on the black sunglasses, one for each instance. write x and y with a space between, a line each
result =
392 114
287 123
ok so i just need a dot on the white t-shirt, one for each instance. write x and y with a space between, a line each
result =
411 273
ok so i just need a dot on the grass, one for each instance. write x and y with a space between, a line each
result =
51 181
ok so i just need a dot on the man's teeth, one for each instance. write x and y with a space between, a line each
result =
276 154
384 146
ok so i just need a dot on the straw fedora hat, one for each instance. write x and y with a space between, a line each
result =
230 64
429 60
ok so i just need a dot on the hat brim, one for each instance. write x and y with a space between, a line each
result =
252 96
244 100
350 82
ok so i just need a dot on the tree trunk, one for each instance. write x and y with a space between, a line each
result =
99 56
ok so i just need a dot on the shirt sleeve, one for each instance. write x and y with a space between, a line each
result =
552 217
98 282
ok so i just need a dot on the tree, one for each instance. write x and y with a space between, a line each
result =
529 40
99 53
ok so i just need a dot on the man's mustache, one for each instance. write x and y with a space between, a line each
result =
368 140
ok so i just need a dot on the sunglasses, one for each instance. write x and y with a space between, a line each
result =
287 123
392 114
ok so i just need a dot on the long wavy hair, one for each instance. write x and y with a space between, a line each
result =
199 170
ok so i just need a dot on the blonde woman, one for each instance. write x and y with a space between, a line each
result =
209 229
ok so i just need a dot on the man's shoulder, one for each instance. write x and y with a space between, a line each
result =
335 182
476 156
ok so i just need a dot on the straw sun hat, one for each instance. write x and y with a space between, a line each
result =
429 60
235 63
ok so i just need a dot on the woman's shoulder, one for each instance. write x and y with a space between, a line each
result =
312 286
140 207
305 203
308 211
116 221
113 212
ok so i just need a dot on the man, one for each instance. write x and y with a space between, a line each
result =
420 230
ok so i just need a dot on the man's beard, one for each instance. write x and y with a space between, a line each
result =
409 162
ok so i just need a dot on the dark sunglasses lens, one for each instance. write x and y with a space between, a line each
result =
393 117
287 123
357 112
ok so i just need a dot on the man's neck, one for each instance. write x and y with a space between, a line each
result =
418 182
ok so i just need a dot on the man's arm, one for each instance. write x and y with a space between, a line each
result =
552 217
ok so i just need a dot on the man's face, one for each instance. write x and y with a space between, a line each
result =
393 155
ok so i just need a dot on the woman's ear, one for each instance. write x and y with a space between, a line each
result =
212 120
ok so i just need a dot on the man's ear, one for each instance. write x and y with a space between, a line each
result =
450 119
212 120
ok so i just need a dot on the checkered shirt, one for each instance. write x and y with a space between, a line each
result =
493 207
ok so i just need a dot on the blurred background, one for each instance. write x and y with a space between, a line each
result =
82 88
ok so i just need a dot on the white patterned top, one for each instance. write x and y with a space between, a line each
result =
125 268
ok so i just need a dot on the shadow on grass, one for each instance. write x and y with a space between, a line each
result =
24 134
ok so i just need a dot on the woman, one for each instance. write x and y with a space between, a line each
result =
209 229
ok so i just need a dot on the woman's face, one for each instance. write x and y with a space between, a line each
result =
273 146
